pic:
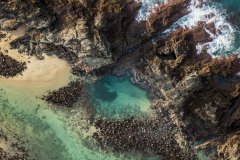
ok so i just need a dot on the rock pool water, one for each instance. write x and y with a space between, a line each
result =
43 132
118 97
28 124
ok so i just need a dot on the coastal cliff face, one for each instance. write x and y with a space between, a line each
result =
199 93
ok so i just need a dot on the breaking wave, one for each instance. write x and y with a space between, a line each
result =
225 34
147 7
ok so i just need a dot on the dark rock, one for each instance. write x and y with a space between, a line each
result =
149 136
65 96
10 67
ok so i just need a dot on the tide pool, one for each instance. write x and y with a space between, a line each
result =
43 131
118 97
30 123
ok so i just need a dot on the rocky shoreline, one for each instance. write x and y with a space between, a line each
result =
199 94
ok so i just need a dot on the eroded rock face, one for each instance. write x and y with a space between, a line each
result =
74 30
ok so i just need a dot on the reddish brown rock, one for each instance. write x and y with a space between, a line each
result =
166 15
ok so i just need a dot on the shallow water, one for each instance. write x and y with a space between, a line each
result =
118 97
44 132
39 137
31 123
45 135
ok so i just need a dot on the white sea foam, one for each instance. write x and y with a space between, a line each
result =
147 7
223 40
238 74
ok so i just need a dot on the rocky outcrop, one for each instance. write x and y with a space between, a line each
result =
10 67
82 32
98 36
85 33
155 136
229 148
202 91
166 14
65 96
226 146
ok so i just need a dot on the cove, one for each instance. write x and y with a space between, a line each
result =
117 97
31 123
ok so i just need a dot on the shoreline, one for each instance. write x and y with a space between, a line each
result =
41 75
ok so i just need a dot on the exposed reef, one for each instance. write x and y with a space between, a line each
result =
65 96
10 67
157 136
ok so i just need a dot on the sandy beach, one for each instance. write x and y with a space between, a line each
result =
40 75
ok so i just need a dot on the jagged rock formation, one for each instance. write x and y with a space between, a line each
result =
98 36
80 31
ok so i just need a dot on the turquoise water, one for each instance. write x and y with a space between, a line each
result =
38 136
44 132
45 139
118 97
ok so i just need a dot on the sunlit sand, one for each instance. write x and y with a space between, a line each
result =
40 75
